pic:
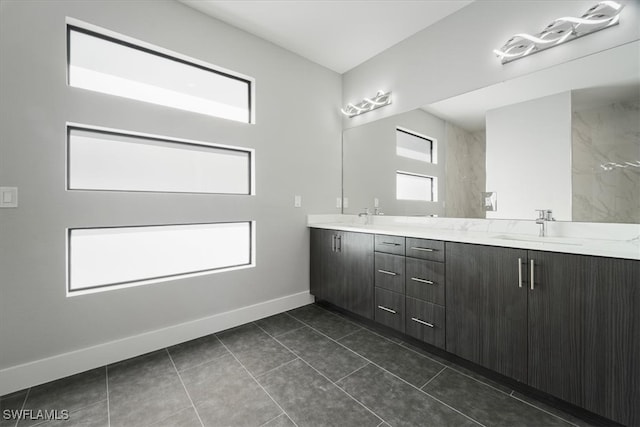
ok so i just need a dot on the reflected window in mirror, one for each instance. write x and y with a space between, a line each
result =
412 186
412 145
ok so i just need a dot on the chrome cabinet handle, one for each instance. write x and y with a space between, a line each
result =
423 249
387 309
519 272
428 282
333 240
390 243
422 322
339 239
532 273
390 273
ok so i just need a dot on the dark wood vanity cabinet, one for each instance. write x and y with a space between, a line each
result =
342 269
575 334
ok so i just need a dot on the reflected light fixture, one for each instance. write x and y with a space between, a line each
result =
603 15
381 99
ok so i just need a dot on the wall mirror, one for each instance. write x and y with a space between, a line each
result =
566 138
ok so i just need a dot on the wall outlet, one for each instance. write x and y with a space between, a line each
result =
8 197
339 202
376 202
297 201
345 202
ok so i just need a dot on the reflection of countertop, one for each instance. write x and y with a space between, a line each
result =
608 240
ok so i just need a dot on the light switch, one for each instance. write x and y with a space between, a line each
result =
297 201
345 202
339 202
376 202
8 197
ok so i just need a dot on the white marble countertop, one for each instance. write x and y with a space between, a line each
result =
514 234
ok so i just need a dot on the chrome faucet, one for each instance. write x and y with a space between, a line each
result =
544 215
365 214
377 211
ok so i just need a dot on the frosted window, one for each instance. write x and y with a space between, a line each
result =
415 147
100 257
411 186
104 64
116 161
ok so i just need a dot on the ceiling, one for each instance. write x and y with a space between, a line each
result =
336 34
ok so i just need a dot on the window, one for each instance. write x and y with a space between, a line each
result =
108 258
414 146
110 65
411 186
119 161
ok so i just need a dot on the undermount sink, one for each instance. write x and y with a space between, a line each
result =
538 239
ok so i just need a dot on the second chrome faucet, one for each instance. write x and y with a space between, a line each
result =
544 215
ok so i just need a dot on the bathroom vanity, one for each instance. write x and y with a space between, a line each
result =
559 314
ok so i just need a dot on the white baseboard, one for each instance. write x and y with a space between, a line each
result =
62 365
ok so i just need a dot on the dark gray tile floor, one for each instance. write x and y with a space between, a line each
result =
306 367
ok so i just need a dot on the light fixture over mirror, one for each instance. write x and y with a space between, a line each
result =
381 99
603 15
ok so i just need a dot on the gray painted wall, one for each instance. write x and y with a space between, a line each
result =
296 138
455 55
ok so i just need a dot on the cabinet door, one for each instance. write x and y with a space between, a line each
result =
323 265
611 334
555 324
355 272
584 332
486 314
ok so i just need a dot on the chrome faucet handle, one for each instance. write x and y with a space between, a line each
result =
548 215
542 213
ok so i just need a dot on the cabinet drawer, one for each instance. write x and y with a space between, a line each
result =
390 272
389 244
425 321
432 250
425 280
389 309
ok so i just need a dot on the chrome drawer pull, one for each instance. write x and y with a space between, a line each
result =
390 273
532 272
386 309
428 282
422 322
424 249
390 244
519 272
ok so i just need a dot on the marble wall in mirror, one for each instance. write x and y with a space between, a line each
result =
566 138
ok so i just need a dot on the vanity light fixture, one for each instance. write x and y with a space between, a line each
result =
381 99
612 165
603 15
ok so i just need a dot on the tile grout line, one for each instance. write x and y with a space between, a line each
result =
254 378
24 402
543 410
433 378
106 375
349 374
206 362
272 419
349 334
391 373
279 366
184 387
284 333
327 378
